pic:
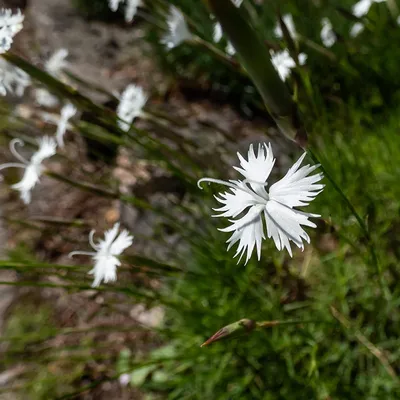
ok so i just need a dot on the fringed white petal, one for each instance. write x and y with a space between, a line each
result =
297 188
257 168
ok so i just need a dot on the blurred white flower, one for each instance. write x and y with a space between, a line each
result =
131 103
67 112
57 62
217 34
328 36
362 7
45 99
283 62
105 252
13 79
289 23
33 168
230 49
114 4
178 31
124 379
10 25
248 200
356 29
237 3
131 7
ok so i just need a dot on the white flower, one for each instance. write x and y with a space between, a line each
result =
248 200
131 7
178 30
57 62
12 79
114 4
362 7
356 29
217 34
283 62
10 25
67 112
131 103
328 36
230 49
237 3
33 168
289 23
106 250
44 98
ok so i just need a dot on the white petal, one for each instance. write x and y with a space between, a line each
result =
67 112
114 4
217 34
122 242
362 7
13 79
248 231
258 167
47 148
297 188
44 98
288 20
328 36
283 63
28 182
285 224
57 62
235 201
132 101
10 25
109 236
178 30
131 9
237 3
356 29
105 269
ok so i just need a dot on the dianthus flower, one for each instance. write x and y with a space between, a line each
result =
33 168
132 101
178 30
10 25
105 252
248 200
67 112
12 79
283 62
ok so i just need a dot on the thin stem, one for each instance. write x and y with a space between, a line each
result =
81 253
91 239
14 151
12 165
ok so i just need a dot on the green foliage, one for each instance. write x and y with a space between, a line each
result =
347 345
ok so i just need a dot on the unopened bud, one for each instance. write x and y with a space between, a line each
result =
232 330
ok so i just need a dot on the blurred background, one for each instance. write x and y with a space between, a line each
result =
335 305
